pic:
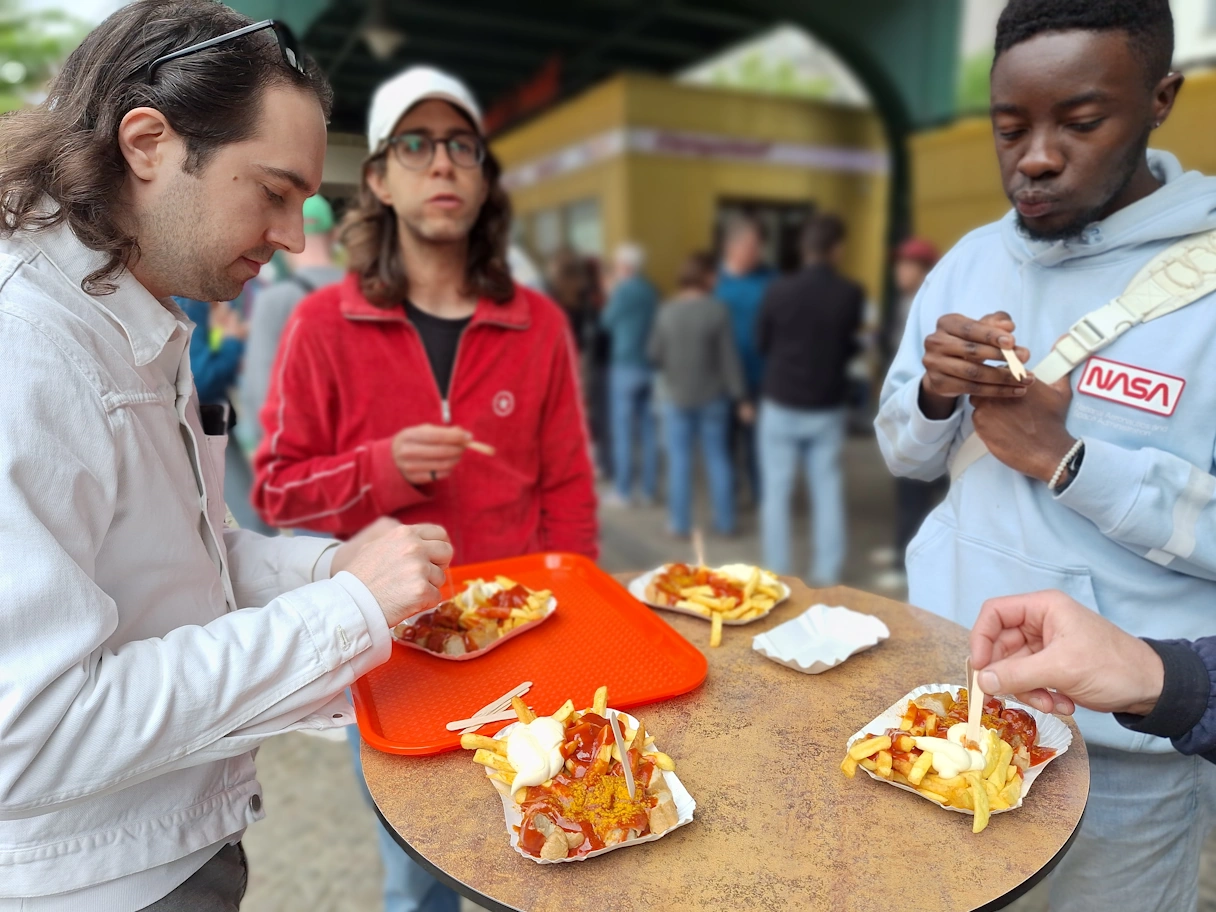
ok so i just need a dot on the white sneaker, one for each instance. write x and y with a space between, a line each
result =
891 581
883 557
613 501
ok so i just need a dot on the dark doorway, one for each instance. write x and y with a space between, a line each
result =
782 224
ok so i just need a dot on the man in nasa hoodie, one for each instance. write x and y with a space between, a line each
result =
1129 526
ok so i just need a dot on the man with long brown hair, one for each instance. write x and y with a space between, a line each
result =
146 648
383 381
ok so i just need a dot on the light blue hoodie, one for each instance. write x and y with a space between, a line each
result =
1146 482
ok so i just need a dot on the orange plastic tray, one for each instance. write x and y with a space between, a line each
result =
600 634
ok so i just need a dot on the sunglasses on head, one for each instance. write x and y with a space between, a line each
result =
288 46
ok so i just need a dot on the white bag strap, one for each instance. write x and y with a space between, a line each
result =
1180 275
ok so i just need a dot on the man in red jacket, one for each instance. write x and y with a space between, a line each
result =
382 381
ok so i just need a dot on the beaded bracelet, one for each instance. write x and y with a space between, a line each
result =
1063 466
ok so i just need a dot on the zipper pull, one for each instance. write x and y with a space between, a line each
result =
447 411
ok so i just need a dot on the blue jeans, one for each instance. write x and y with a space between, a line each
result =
745 458
1145 824
407 888
629 389
711 422
814 437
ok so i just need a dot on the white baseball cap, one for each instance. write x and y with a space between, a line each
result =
395 98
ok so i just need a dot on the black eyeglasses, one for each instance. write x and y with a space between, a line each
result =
416 151
288 46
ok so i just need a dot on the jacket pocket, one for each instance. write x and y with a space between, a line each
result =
213 477
952 573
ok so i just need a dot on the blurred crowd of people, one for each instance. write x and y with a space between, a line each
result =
755 369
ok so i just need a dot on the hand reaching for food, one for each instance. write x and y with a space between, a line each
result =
1053 652
404 569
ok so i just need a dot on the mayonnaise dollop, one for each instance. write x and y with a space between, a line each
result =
534 750
950 758
477 589
743 572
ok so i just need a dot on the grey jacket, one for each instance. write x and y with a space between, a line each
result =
271 309
694 350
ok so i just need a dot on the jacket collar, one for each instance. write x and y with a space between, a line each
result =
147 321
514 314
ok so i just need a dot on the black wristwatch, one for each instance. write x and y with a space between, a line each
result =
1071 470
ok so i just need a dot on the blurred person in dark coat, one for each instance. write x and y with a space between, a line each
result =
807 334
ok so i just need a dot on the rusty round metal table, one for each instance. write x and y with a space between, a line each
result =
777 825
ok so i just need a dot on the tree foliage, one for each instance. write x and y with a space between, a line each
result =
33 44
779 77
973 83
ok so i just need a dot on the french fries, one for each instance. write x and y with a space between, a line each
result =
896 758
616 815
476 617
715 595
481 742
867 748
494 760
521 709
920 768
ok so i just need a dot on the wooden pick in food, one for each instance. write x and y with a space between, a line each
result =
620 746
975 705
1016 367
698 547
484 448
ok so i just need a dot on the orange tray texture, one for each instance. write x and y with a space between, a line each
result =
600 634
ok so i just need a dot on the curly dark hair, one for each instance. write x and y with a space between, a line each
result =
1148 23
66 149
369 233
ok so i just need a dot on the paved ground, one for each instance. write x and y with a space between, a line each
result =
317 851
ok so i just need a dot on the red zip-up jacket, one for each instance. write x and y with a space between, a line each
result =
348 376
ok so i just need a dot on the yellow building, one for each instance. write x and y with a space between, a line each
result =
648 160
956 185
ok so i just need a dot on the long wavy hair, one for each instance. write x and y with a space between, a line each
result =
370 234
66 149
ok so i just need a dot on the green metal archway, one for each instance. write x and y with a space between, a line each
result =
903 51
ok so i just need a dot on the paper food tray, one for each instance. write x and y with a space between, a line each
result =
684 807
1052 733
477 653
637 588
820 638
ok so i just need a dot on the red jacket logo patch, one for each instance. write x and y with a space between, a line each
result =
1141 389
504 403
